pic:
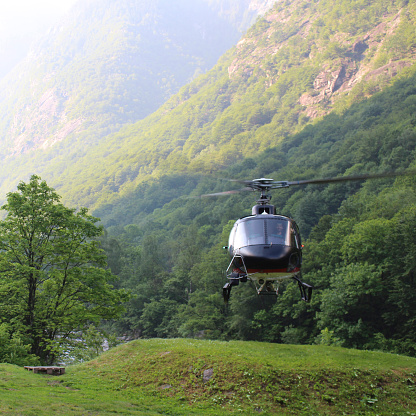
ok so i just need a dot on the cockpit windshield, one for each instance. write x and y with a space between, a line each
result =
269 231
277 232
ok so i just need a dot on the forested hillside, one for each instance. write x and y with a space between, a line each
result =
359 250
314 89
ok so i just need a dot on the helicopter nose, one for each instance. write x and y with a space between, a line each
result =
266 256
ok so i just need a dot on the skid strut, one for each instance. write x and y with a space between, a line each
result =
305 289
265 287
234 278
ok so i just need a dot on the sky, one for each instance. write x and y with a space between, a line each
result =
22 21
17 16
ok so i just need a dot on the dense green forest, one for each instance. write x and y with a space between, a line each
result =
314 89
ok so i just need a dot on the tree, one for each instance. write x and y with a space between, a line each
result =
53 276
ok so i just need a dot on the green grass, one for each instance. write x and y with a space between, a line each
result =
166 377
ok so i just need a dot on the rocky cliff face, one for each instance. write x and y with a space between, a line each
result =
340 62
42 124
358 64
261 6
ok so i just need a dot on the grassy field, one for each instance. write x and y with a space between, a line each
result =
192 377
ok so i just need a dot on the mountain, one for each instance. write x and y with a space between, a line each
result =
295 65
309 92
110 63
291 69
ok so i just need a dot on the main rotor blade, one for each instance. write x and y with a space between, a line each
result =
352 178
265 185
235 191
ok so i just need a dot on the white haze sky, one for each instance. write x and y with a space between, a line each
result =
20 17
22 22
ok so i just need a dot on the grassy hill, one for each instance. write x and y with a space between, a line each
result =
183 377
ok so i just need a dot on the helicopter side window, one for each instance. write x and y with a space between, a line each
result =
231 242
255 232
277 232
295 236
293 241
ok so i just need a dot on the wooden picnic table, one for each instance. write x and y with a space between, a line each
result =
51 370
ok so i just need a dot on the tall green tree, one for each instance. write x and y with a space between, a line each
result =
53 275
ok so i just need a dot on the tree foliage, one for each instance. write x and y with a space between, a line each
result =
53 275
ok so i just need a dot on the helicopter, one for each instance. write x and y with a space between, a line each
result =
265 247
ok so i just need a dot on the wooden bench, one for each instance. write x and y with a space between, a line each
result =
51 370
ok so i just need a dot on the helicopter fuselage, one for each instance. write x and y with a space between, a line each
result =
265 246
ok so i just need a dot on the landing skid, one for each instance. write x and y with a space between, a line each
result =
263 287
267 288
